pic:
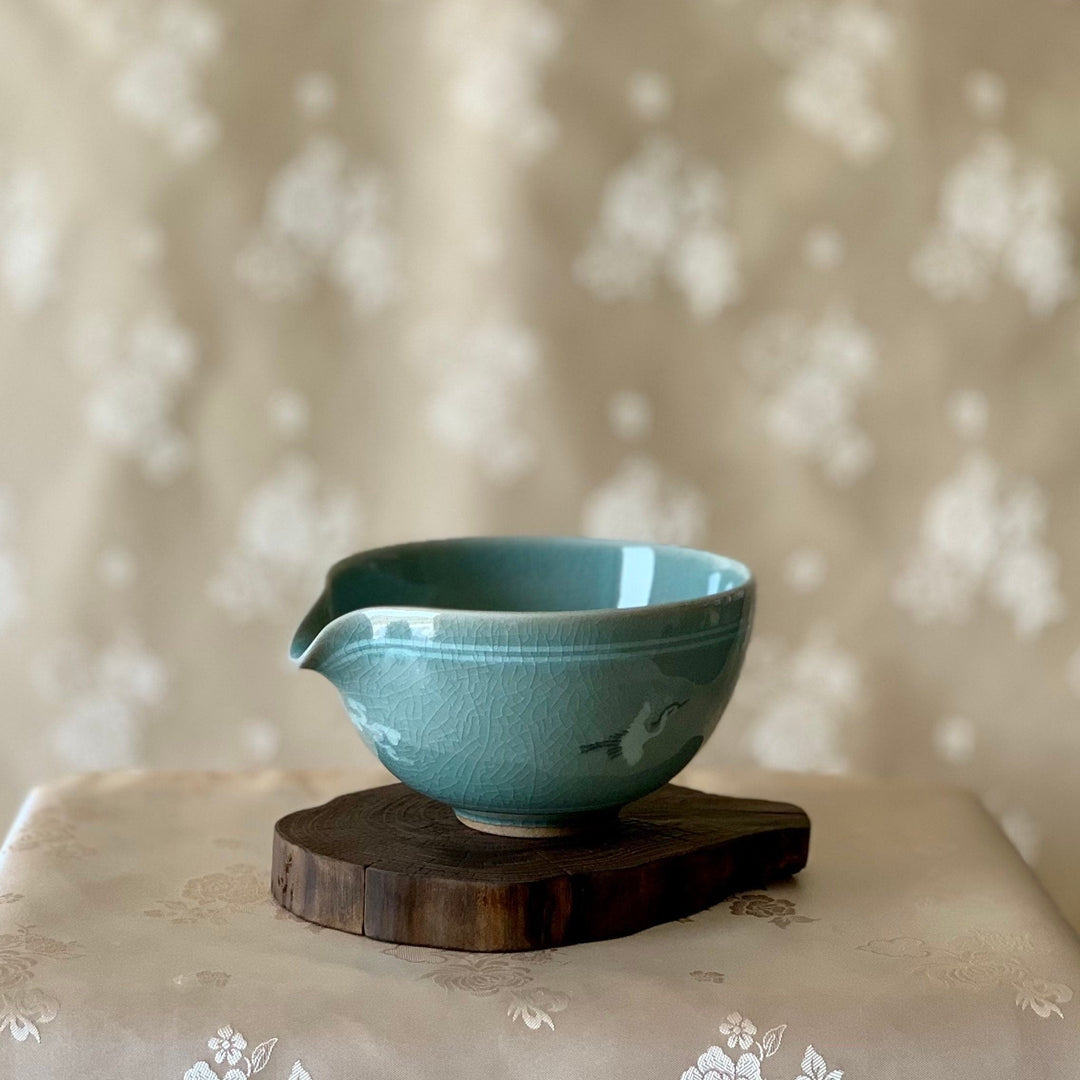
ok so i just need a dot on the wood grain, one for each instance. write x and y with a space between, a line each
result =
398 866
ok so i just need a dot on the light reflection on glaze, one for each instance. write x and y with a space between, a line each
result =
636 575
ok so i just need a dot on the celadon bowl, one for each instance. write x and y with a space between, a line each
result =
534 685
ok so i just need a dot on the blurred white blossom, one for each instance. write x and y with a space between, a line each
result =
499 53
288 413
315 94
833 52
630 415
12 588
29 237
640 502
478 381
969 413
663 215
325 214
979 536
158 84
649 94
985 93
954 739
804 570
823 248
797 702
135 377
290 530
104 699
813 374
999 215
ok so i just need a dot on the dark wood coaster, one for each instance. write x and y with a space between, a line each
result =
398 866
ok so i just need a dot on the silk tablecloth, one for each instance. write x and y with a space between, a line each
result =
138 939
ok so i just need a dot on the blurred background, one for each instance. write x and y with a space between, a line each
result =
792 280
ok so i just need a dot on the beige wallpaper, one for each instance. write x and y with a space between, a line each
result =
795 281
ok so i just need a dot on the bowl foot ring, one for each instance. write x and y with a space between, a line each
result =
397 866
523 828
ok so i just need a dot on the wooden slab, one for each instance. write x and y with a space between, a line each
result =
398 866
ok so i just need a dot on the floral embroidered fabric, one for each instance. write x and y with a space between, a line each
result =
139 902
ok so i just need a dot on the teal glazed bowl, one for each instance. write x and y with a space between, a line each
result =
534 685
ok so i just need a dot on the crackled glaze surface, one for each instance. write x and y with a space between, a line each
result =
561 677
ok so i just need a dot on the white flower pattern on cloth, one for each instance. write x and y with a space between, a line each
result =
999 215
663 214
24 1007
813 374
239 889
980 961
325 214
477 382
777 910
641 503
499 52
1042 997
814 1067
833 52
53 831
534 1006
158 84
30 237
190 979
23 1010
506 997
105 699
979 536
228 1047
290 529
135 378
797 703
740 1032
489 975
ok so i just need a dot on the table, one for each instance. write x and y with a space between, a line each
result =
137 938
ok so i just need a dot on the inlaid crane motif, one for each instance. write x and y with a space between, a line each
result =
629 744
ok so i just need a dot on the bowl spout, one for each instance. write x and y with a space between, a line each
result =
310 646
341 642
310 626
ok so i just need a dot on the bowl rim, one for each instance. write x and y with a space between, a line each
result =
724 596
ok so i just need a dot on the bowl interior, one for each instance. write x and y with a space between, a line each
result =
525 574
